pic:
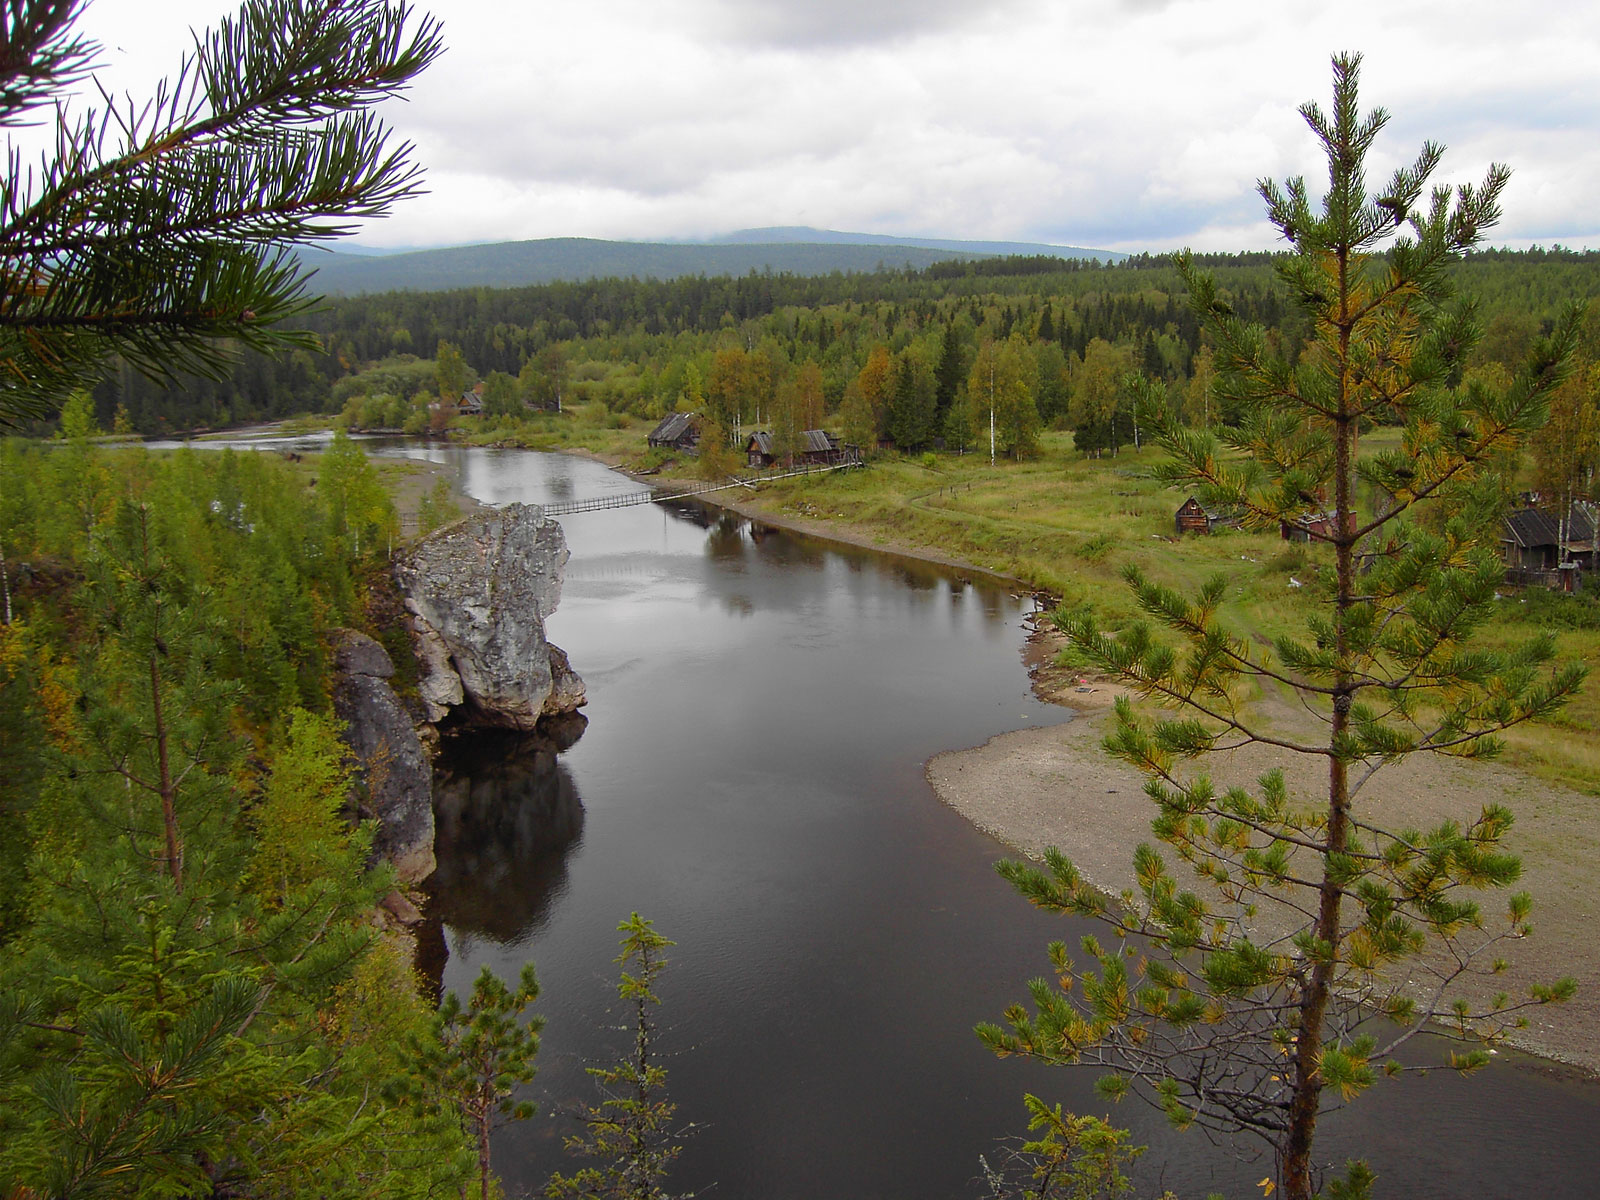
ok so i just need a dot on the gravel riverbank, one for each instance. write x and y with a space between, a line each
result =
1056 786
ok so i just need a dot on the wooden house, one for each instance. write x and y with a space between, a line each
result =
471 402
677 431
758 450
826 450
1532 539
816 447
1194 517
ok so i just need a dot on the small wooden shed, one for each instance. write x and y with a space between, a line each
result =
827 450
1194 517
817 447
676 431
758 449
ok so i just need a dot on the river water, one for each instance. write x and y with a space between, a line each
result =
760 707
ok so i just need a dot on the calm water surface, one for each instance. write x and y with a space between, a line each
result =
760 707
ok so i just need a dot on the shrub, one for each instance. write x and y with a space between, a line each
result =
1095 549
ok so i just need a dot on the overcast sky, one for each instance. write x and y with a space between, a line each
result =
1118 124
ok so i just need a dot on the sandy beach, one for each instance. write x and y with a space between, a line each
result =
1055 786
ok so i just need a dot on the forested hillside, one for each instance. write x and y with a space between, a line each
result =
798 251
643 345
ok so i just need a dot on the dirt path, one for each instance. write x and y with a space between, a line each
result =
1056 786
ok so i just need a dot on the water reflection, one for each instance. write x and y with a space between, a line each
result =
507 814
690 513
558 481
725 541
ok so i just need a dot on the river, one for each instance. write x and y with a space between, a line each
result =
751 780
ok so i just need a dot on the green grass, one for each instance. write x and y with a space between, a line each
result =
589 427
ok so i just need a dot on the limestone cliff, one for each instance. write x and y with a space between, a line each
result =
478 592
397 777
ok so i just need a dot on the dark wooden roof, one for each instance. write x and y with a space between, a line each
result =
1198 507
672 427
1530 527
812 441
815 441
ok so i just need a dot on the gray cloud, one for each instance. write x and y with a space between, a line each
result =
1117 124
835 23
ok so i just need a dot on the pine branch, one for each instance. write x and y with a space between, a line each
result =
161 248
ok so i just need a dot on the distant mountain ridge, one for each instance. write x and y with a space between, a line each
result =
791 249
785 234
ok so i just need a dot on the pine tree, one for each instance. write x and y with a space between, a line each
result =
1245 1005
952 364
179 973
153 231
1069 1158
911 413
631 1132
486 1052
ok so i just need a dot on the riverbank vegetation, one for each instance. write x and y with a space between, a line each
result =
192 988
199 991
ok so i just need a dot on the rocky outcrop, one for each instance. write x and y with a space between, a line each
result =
396 774
478 592
567 693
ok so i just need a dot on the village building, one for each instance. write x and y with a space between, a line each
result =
1537 549
816 447
758 450
676 431
471 402
1194 517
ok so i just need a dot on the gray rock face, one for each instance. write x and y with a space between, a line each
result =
479 591
398 776
567 693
